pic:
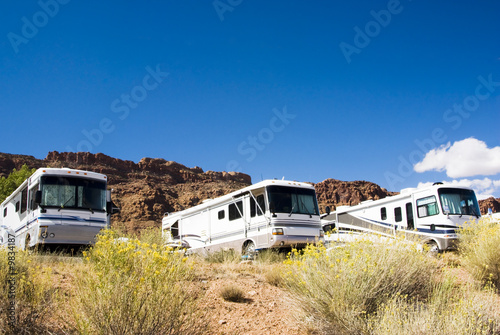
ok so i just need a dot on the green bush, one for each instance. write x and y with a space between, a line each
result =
133 287
13 181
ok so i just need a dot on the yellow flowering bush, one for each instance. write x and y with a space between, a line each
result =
26 293
479 246
342 287
133 287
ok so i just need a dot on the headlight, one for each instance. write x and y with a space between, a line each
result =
44 235
52 235
277 231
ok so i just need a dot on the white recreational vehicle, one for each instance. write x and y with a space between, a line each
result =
56 206
430 214
269 214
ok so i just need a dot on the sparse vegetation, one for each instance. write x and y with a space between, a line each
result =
137 286
27 297
223 257
394 288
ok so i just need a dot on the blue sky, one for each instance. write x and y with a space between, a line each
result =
364 90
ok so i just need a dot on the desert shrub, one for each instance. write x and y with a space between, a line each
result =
27 297
232 293
270 256
450 309
133 287
274 276
152 236
341 288
479 246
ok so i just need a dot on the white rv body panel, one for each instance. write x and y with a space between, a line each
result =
431 214
73 208
244 217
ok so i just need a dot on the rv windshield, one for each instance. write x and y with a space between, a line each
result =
459 201
292 200
64 192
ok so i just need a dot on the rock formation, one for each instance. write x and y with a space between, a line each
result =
146 190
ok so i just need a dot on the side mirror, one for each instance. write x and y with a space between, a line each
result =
111 208
328 210
38 197
272 208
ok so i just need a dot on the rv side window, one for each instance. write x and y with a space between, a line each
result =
262 204
427 206
5 212
18 205
255 208
222 214
383 213
175 230
24 200
235 211
32 198
397 214
409 215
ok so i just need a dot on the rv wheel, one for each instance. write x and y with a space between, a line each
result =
249 249
433 248
27 241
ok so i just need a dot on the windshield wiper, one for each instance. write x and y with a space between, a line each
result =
86 204
62 206
293 207
473 210
302 202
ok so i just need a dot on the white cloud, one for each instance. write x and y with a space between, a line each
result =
466 158
484 188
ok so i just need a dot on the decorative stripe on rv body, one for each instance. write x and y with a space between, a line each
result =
65 218
385 227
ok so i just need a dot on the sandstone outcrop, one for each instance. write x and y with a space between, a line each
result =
146 190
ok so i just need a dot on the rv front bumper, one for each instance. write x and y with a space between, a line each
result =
293 240
63 234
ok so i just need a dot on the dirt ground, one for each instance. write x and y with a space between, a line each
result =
264 309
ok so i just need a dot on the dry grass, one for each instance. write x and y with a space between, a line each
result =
232 293
479 249
27 297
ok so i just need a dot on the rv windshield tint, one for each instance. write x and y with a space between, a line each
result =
64 192
459 201
293 200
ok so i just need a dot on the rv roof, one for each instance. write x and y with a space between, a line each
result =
262 184
68 172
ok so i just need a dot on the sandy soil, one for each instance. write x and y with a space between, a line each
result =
264 310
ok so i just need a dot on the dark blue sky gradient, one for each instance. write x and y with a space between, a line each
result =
352 120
